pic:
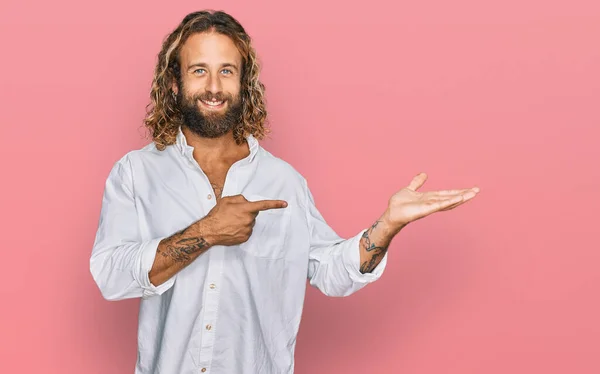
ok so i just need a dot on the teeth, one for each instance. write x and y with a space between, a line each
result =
212 103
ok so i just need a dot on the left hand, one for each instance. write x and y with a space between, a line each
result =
408 205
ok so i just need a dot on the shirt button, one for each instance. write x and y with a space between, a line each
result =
203 370
209 196
208 327
212 286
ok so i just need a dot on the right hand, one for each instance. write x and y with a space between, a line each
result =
230 222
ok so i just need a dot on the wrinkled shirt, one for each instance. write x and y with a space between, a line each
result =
234 309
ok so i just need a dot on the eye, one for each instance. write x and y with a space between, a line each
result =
197 71
227 71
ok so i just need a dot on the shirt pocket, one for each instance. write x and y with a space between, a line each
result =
270 232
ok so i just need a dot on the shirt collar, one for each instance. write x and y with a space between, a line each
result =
187 150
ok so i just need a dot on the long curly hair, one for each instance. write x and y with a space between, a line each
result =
163 117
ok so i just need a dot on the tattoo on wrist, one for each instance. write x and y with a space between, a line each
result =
378 251
182 250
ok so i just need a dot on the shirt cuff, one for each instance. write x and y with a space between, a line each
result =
147 256
351 259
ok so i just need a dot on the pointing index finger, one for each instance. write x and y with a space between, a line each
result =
257 206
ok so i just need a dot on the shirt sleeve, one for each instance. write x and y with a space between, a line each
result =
120 261
334 262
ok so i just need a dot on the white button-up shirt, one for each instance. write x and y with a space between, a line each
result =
234 309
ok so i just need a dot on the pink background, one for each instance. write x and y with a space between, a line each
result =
503 95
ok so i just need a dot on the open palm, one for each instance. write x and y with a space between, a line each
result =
408 204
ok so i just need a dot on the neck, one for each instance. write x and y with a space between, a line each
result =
211 151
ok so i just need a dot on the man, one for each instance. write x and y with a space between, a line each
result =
216 235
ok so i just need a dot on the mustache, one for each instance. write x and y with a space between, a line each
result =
208 96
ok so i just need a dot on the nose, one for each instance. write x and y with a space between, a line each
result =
213 84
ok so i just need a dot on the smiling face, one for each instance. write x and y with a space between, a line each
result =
208 90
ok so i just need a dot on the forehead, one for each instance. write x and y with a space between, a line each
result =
210 48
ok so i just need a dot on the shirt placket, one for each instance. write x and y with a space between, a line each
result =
213 278
211 308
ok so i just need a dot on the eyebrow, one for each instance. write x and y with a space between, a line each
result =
204 65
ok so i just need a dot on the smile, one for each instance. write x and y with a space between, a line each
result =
213 104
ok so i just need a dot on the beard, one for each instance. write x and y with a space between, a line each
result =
209 125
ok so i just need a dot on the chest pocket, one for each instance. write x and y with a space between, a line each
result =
270 234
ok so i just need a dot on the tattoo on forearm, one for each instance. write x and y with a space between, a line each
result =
371 246
371 264
378 251
182 250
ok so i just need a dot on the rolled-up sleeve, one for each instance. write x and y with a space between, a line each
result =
334 262
120 260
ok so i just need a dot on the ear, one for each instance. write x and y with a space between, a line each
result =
174 88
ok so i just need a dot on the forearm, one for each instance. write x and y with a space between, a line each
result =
374 244
179 250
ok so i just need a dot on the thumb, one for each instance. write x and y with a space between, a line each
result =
417 181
